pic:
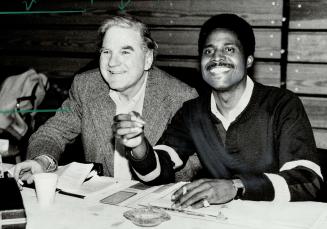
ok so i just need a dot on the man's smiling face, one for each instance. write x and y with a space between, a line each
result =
124 59
223 62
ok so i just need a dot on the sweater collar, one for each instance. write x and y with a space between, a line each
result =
237 110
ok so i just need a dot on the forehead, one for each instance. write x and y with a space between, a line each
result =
117 37
223 36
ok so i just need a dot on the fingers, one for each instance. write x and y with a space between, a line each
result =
131 116
24 172
191 193
186 188
20 169
129 128
203 192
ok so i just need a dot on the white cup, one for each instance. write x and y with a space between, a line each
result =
45 186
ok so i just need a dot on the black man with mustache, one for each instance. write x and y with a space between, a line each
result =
254 141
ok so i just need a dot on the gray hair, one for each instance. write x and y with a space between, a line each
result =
127 21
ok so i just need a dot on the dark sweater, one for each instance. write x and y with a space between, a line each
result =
273 131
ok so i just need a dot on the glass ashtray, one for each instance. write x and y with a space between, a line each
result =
147 217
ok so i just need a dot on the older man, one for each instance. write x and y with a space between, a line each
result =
125 82
254 141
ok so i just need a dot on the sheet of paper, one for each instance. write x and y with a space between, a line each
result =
73 176
95 184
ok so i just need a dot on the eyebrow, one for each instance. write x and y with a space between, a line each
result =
128 47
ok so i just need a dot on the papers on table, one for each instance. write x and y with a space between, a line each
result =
243 214
78 180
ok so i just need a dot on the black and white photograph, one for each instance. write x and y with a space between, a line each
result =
163 114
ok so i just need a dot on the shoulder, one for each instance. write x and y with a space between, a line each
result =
275 93
277 99
89 80
88 76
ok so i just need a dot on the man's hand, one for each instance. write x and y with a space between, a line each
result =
26 169
195 194
128 128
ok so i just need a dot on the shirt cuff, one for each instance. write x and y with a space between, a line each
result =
48 163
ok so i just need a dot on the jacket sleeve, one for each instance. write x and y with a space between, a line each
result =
299 177
168 156
52 137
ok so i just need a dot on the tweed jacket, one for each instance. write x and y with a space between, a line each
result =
91 112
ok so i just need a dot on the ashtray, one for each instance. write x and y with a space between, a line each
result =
147 217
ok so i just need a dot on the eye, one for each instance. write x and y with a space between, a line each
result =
207 51
105 51
125 52
229 49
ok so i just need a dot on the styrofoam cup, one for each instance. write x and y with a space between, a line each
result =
45 186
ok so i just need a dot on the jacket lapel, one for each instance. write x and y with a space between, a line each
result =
156 106
103 110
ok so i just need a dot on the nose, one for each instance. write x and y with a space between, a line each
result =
114 60
218 55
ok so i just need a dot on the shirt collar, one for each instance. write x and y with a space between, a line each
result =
237 110
116 96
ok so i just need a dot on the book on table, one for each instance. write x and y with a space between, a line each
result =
12 211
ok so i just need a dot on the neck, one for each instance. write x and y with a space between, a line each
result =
226 100
130 93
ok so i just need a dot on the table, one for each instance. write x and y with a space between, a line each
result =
71 212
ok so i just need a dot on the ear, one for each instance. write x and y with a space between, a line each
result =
148 59
249 61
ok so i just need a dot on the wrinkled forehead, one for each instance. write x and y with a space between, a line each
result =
118 35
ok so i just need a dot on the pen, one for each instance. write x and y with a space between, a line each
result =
70 194
187 212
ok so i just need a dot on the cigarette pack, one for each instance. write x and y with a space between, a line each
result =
12 211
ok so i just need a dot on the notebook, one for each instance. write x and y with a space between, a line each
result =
12 212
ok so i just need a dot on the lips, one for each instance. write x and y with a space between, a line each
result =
219 67
116 72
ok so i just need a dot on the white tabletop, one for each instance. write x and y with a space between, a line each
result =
71 212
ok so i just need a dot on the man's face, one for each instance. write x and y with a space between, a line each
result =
223 63
124 59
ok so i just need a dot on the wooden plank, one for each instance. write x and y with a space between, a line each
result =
172 41
308 14
267 73
316 109
307 78
154 12
181 42
307 46
52 66
321 138
80 41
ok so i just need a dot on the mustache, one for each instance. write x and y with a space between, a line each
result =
212 65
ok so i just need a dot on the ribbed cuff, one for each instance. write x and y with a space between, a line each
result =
147 164
257 187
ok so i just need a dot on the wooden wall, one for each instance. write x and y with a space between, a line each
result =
291 49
